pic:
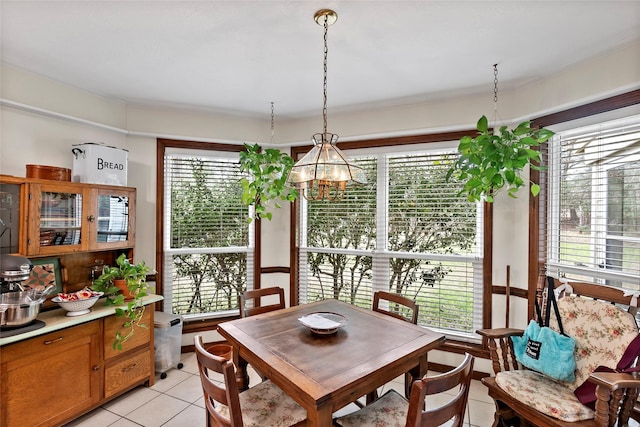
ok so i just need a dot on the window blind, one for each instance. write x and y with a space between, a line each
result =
338 238
427 217
113 218
208 244
594 213
406 231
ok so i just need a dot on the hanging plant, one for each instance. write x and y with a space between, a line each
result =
267 182
492 161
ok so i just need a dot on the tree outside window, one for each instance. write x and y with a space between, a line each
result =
407 232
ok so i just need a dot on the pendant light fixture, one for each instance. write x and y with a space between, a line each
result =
323 173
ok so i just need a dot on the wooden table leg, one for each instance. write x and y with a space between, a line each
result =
242 377
320 417
416 373
371 397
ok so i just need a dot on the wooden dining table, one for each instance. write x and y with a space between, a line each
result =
324 373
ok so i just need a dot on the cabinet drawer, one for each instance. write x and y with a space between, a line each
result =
141 336
32 350
126 372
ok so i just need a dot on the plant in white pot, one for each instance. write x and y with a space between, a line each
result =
124 283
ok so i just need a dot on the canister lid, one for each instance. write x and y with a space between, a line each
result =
165 320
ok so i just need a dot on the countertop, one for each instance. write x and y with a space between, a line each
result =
57 319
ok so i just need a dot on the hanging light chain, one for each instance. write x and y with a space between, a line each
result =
495 86
324 87
272 124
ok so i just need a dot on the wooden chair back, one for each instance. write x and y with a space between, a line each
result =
227 395
400 307
499 339
452 410
597 292
251 302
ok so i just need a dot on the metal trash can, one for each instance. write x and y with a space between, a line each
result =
167 335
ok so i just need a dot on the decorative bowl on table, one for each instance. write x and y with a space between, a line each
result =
77 303
323 323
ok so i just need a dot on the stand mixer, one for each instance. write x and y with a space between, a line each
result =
19 307
14 270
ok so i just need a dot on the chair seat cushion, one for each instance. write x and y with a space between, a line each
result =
548 396
390 410
266 404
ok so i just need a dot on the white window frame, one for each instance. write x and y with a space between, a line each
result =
381 256
169 252
555 267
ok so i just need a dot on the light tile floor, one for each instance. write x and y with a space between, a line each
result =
176 401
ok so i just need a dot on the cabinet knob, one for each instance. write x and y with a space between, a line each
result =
49 342
96 368
91 218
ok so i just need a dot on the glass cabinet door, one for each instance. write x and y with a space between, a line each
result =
113 224
71 217
56 219
10 219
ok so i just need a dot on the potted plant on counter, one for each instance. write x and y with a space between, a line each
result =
125 283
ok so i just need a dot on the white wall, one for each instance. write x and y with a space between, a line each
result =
42 119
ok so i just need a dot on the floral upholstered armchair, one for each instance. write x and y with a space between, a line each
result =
593 316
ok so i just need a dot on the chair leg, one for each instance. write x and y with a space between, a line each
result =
407 384
505 417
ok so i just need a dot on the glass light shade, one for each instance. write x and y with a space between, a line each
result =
325 163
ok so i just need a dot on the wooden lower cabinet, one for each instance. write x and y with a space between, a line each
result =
135 362
48 379
52 379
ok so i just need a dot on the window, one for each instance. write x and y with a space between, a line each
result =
207 240
406 231
594 203
113 218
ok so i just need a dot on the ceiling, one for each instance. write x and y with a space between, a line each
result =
237 57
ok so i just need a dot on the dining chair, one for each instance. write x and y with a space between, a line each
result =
399 306
250 302
393 410
259 406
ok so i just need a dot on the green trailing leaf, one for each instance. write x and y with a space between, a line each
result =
523 128
535 190
510 176
491 161
472 184
135 277
544 135
483 124
266 182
